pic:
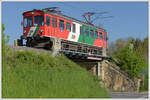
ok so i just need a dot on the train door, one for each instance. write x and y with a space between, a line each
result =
105 39
48 25
97 40
91 36
82 34
54 26
87 35
75 32
61 30
101 37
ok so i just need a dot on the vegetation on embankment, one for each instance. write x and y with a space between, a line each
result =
132 55
26 74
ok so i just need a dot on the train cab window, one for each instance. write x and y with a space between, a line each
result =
55 19
101 36
81 30
38 20
61 24
91 33
28 22
73 28
68 26
96 34
87 32
47 20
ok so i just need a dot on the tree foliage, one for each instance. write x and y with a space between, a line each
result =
132 55
129 62
5 39
141 48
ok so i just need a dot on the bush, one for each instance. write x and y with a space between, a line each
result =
129 62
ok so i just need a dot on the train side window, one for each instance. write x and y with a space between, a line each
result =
101 36
47 20
55 22
68 26
39 20
96 34
81 30
61 24
87 32
91 33
74 28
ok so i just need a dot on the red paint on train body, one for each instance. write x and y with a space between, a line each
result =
53 31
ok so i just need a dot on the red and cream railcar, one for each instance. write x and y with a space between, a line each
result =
42 25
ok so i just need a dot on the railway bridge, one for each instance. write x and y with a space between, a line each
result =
109 75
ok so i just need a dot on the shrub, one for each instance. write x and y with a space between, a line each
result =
129 62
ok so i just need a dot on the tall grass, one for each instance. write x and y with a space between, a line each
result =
31 75
144 87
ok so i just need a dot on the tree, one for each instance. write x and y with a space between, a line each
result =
5 39
131 40
141 48
145 47
133 57
129 62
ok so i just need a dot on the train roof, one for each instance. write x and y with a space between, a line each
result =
73 19
66 17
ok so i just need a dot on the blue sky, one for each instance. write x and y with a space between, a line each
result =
129 18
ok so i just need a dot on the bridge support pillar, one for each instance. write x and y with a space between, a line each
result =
56 46
94 69
104 51
102 70
102 63
98 69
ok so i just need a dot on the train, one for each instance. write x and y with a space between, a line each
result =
41 26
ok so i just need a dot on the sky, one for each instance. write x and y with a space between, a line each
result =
130 19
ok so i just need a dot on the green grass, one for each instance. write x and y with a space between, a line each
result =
146 79
31 75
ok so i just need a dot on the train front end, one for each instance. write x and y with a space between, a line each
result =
33 26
